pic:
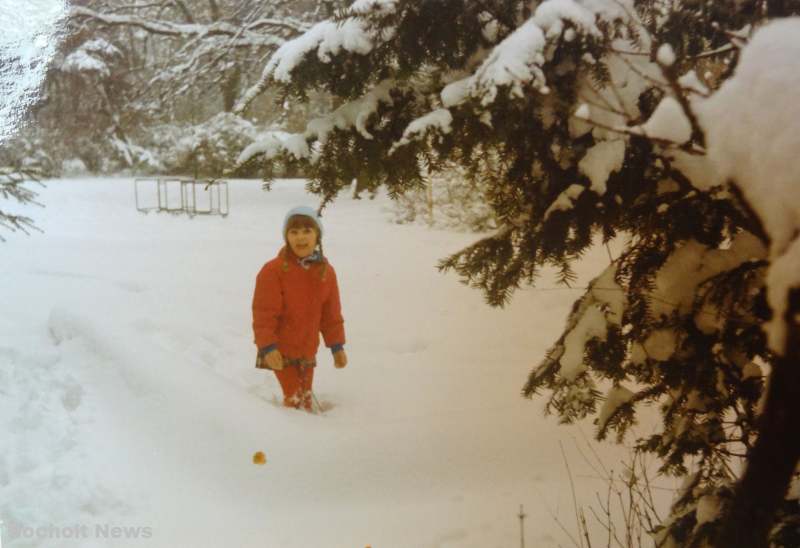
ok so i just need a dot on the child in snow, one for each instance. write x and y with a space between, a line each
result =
296 299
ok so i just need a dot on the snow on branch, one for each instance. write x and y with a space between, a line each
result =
552 15
564 201
615 399
517 61
692 264
440 119
326 38
91 56
754 144
380 7
244 37
291 24
600 161
354 114
602 305
667 123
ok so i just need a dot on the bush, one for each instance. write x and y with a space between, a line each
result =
448 200
206 149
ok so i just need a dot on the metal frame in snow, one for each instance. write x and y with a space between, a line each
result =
179 195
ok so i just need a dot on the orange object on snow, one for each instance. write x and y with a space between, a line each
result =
259 458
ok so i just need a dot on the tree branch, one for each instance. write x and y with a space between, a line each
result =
671 74
185 30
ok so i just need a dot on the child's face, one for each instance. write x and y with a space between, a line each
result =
302 240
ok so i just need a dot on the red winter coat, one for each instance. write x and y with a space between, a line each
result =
292 306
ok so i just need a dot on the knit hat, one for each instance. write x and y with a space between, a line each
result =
305 211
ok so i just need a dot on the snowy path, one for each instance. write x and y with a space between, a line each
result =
129 398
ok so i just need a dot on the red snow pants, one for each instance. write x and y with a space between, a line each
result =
296 385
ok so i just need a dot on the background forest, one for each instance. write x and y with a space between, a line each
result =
150 87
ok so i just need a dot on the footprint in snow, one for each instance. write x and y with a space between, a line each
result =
407 347
131 287
72 397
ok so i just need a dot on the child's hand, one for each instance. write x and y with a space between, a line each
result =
339 359
274 360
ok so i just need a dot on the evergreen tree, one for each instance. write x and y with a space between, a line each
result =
578 121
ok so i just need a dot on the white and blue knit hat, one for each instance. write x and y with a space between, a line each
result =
305 211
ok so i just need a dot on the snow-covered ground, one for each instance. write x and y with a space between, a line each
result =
128 396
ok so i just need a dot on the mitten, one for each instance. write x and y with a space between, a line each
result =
339 359
269 359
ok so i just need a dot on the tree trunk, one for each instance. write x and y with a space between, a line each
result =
215 12
776 452
776 8
184 10
230 89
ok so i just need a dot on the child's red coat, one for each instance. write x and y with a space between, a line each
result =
292 306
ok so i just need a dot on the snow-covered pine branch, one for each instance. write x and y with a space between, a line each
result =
324 39
12 188
598 311
754 149
353 114
751 148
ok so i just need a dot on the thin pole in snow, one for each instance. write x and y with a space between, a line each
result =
319 407
522 515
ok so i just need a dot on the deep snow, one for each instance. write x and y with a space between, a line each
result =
128 396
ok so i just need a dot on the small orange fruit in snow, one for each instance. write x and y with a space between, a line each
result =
259 458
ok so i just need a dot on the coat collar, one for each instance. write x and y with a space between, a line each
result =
306 263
